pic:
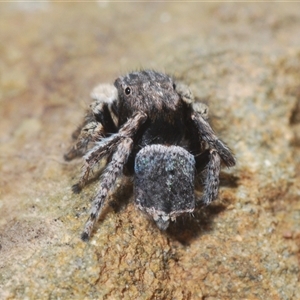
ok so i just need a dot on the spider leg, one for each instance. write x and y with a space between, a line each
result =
98 122
106 146
108 179
207 134
89 117
102 148
216 151
91 131
211 183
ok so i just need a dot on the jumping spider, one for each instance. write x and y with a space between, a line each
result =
148 126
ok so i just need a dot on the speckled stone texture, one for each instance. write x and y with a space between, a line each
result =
243 60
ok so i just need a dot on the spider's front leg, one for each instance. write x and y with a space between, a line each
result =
108 179
90 131
98 122
217 151
107 146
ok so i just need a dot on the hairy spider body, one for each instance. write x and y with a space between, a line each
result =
149 127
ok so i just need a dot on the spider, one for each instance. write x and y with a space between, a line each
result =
149 126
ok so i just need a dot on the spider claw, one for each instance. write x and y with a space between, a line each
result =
85 237
69 156
76 188
230 162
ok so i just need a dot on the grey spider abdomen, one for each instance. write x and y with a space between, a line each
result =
164 182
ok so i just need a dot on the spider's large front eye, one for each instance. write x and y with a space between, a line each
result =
127 91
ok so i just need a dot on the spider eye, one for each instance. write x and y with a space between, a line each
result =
127 91
174 86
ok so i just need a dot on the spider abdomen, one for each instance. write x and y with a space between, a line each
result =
164 182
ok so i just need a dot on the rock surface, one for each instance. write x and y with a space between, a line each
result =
243 60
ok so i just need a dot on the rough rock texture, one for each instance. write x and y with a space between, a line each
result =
243 60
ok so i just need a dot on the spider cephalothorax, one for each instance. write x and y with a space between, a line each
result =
150 127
